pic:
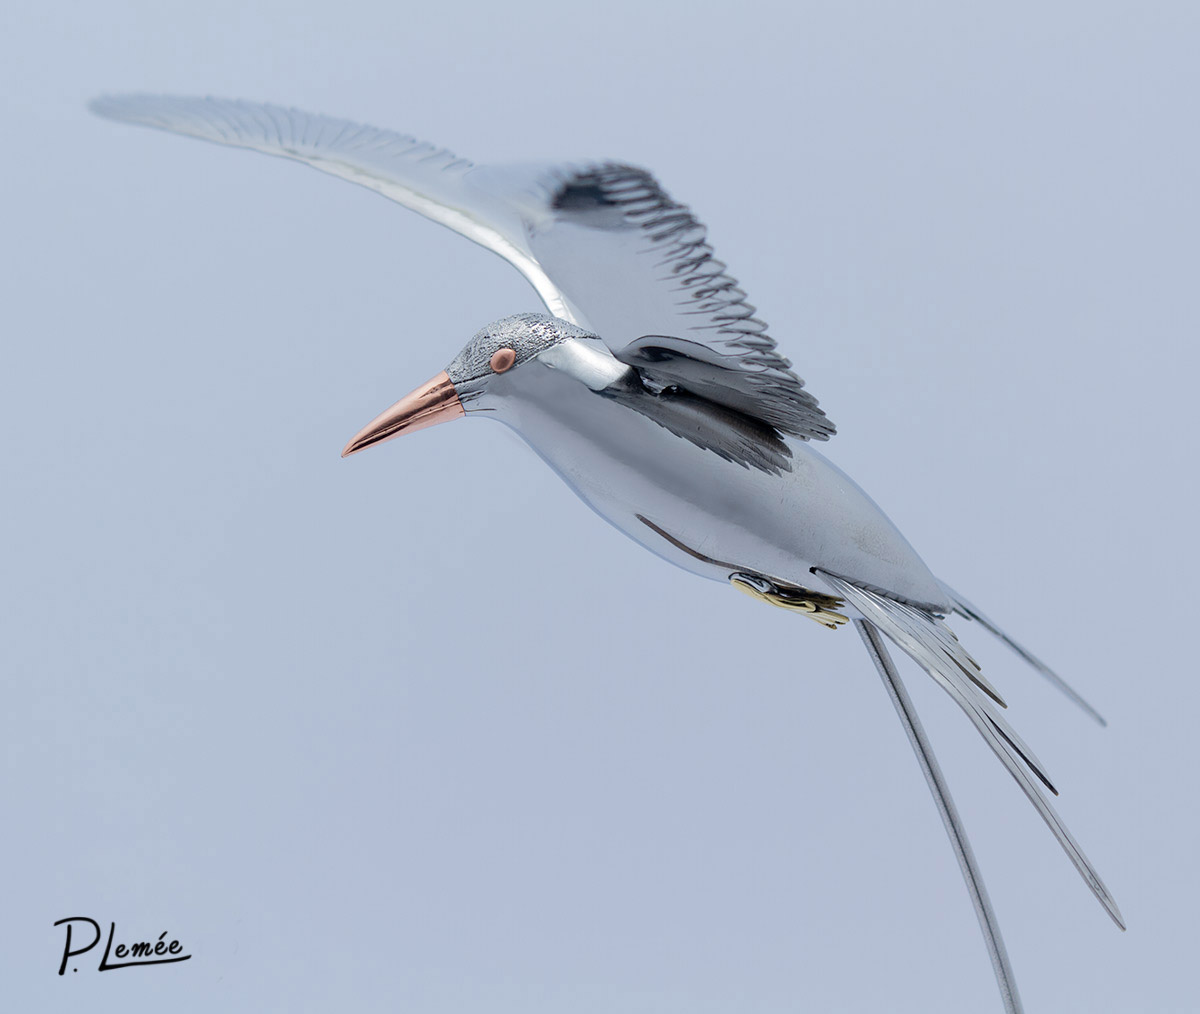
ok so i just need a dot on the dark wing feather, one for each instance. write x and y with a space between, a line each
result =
635 265
726 432
774 396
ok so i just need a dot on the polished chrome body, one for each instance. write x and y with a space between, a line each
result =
626 467
657 394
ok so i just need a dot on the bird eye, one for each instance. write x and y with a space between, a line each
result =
503 359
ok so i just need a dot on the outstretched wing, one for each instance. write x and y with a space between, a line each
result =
603 245
430 180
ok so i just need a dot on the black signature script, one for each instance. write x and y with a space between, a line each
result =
160 952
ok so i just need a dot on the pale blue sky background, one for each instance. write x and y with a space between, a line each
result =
414 731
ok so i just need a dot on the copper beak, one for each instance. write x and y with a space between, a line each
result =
433 402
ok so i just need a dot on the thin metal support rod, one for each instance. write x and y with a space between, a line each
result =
950 818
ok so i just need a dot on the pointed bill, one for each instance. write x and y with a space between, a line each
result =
433 402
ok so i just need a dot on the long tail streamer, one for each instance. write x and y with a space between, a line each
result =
949 814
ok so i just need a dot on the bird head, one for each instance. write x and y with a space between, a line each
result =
506 361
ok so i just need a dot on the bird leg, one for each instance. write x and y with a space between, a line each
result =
815 605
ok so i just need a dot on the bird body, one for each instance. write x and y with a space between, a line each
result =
703 512
656 394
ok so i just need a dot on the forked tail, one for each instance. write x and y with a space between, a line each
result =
932 645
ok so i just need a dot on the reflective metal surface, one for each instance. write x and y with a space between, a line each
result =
659 397
625 465
433 402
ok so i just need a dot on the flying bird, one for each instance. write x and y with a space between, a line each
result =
654 391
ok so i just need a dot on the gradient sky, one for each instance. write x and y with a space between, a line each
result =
415 731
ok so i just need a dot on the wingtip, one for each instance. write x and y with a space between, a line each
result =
143 107
101 105
115 106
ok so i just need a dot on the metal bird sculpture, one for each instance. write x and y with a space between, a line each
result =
656 394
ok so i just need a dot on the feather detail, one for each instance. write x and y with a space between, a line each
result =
965 609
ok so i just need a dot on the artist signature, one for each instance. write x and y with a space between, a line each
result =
160 952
